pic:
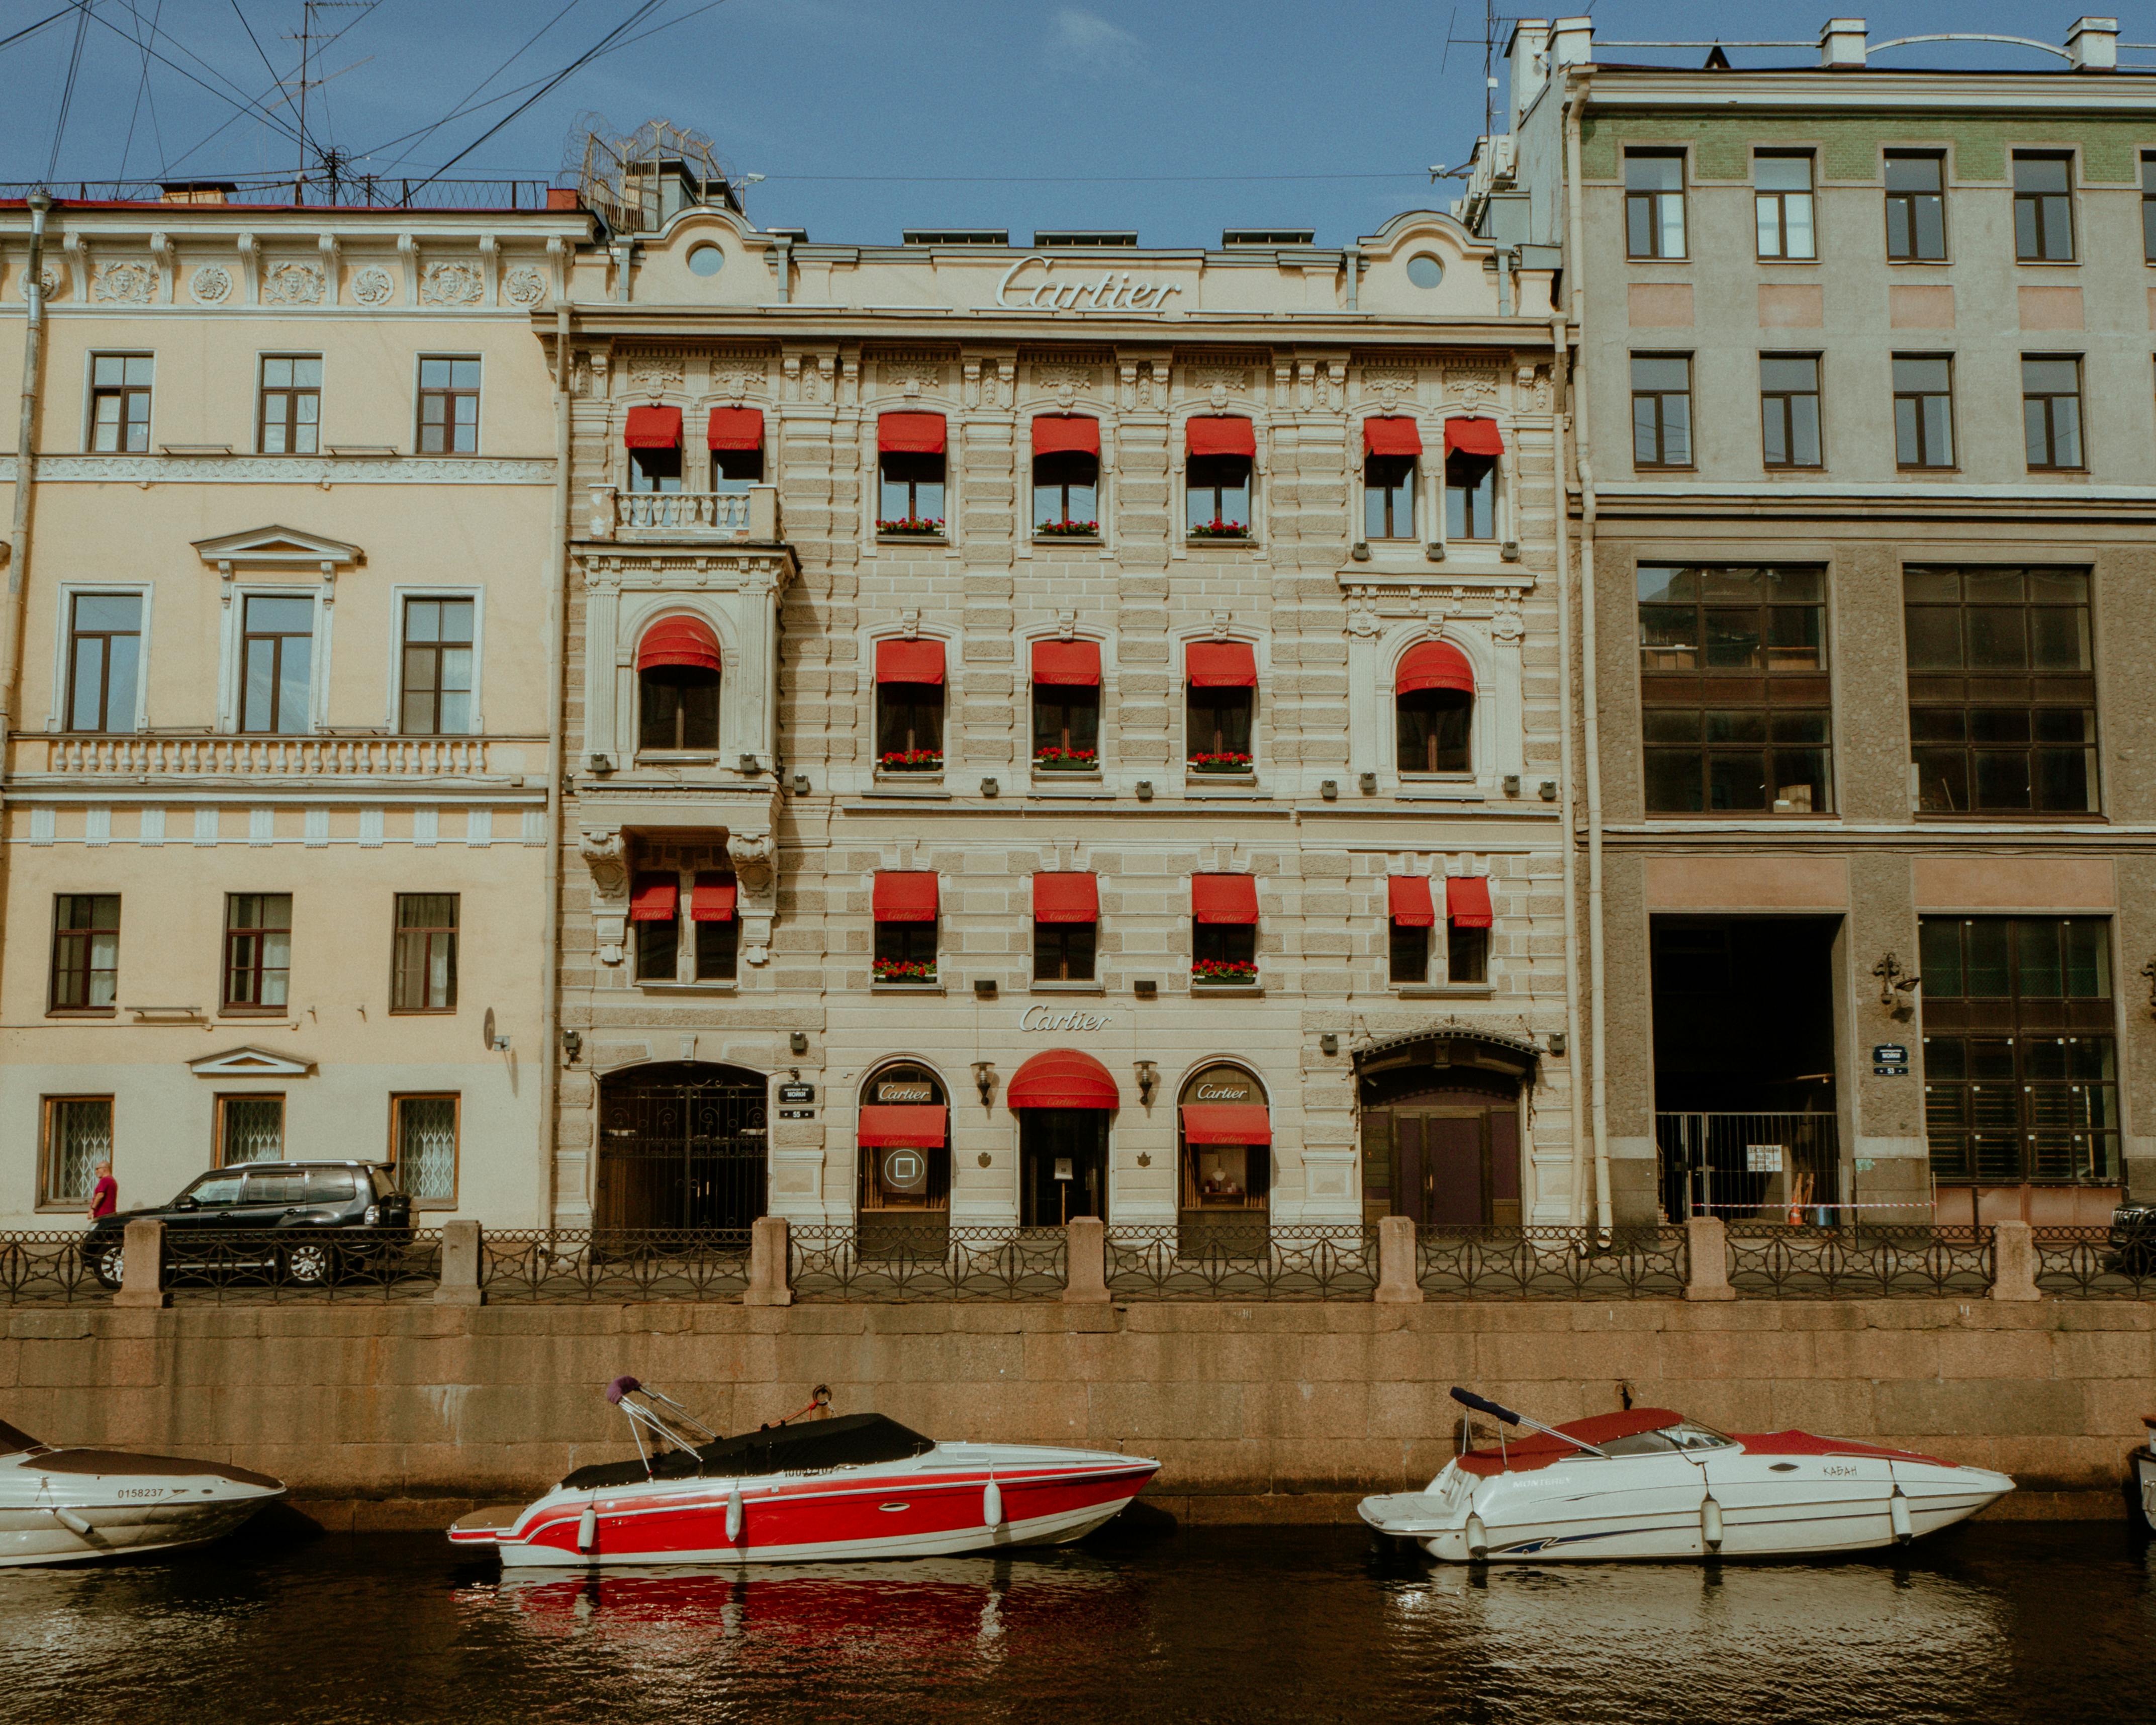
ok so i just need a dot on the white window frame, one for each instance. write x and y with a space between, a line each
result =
479 429
230 704
90 360
69 590
393 709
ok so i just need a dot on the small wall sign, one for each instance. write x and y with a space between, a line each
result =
1889 1060
1762 1158
796 1092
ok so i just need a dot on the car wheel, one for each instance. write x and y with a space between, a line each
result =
108 1262
311 1265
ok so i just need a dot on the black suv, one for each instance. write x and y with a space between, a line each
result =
305 1222
2133 1238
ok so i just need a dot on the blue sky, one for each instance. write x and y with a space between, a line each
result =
1177 117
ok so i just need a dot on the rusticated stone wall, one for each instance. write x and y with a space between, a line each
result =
407 1414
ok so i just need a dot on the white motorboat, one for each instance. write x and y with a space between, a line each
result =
71 1506
1650 1483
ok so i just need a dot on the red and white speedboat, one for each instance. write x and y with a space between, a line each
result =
853 1486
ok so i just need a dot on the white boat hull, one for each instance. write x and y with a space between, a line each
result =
82 1506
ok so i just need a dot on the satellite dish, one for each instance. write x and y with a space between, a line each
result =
486 1028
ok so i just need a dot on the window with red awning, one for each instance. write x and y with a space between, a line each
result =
653 428
1227 1123
903 1126
1221 435
736 428
1395 435
1065 434
1408 900
1223 898
1072 663
1066 898
1467 901
911 433
686 641
713 899
904 896
654 898
1474 437
899 661
1220 664
1434 664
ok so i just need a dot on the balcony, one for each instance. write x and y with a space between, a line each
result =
199 757
750 515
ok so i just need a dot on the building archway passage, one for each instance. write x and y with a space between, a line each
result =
1063 1099
1442 1127
682 1145
1226 1160
904 1141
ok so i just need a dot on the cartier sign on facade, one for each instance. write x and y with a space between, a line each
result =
1034 283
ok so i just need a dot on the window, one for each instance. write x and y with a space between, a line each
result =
655 915
1789 409
1067 492
85 952
423 1146
277 651
2021 1056
2043 209
248 1129
679 708
2002 690
654 467
1066 720
120 403
1923 410
1217 495
1410 914
78 1137
909 727
1408 954
1654 203
290 417
1470 495
1736 704
1224 911
1782 204
1434 707
2148 207
711 943
448 406
905 952
1467 954
438 667
2051 411
1915 207
424 962
1388 494
258 951
1225 1128
1064 952
1219 699
713 916
104 660
1662 410
911 497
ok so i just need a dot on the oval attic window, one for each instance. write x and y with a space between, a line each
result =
1423 269
709 260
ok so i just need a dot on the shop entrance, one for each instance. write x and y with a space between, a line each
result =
1063 1165
904 1139
1226 1134
682 1146
1441 1130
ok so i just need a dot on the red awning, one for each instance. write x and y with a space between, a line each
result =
1227 1123
1066 433
1223 898
1435 665
713 898
1224 434
737 429
1473 437
907 897
1467 901
1062 1078
653 428
910 433
1220 664
1393 435
1408 900
909 661
1067 664
654 898
903 1126
679 640
1066 898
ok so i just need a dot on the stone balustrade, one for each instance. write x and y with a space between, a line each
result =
197 757
750 515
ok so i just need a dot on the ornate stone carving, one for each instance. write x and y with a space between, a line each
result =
1217 383
753 856
525 285
910 372
1507 625
291 285
653 371
48 280
1472 388
606 854
1390 386
373 285
127 282
451 282
735 374
1066 380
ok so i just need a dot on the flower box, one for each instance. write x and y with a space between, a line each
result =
1066 529
910 761
1060 760
1223 970
904 970
1230 763
911 527
1218 529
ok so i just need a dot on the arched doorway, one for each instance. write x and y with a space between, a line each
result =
904 1155
1063 1099
1225 1156
1442 1127
682 1145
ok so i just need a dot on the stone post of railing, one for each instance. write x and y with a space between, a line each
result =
601 521
1707 1260
767 1250
1085 1275
142 1276
459 1283
2014 1276
1398 1283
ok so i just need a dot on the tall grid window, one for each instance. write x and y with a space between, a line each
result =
104 660
1782 204
288 421
2020 1052
1737 707
438 667
424 963
1916 207
448 406
120 403
249 1128
1654 203
1923 410
2043 209
2051 411
1662 410
1388 491
85 952
277 654
78 1137
258 951
1216 493
1066 490
2002 690
1470 495
911 487
423 1133
1789 409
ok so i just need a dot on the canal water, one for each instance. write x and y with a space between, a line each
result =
2009 1622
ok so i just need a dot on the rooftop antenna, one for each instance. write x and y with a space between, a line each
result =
307 9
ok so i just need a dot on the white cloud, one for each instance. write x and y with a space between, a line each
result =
1094 45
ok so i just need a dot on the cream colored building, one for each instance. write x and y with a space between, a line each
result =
279 623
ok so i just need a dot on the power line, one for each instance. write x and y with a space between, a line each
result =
465 101
67 90
1078 179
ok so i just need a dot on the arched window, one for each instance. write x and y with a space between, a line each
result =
1220 699
1225 1175
1434 697
1066 476
1472 449
909 706
904 1139
677 684
1222 450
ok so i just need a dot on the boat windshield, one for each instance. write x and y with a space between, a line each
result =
14 1442
1685 1434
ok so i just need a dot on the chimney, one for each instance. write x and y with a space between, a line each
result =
2092 44
1571 43
1528 50
1842 44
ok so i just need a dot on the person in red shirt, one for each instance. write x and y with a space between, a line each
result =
105 1196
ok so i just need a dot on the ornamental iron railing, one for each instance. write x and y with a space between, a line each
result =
1619 1263
2096 1263
918 1258
1776 1261
564 1264
1242 1259
46 1268
236 1264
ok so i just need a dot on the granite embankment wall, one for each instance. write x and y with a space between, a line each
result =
403 1415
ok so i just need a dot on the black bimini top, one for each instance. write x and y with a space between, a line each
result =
850 1440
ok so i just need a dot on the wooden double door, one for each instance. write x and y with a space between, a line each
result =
1450 1156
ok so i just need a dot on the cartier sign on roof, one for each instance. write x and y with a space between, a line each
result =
1034 282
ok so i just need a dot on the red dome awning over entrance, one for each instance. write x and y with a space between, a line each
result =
903 1126
1062 1078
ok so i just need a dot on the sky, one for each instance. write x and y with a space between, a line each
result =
1177 118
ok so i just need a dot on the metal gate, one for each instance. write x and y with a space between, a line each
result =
1741 1167
682 1146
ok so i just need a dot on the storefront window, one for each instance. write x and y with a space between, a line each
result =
905 1142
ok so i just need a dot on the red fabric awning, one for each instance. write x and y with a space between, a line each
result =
679 640
654 898
1224 434
903 1126
1467 901
713 898
1473 437
1227 1123
1067 664
910 433
653 428
1062 1078
1220 664
1223 898
1066 898
1392 436
1065 434
1435 665
905 897
736 428
909 661
1408 900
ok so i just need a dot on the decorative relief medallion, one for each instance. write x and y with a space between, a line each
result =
1474 388
652 371
736 373
1065 381
48 281
1507 625
451 283
1389 387
373 285
525 285
911 372
291 285
606 855
128 283
1218 382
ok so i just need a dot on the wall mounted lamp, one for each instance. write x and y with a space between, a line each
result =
1892 980
572 1046
1148 1078
984 1081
